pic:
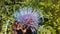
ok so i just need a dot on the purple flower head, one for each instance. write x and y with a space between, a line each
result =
28 16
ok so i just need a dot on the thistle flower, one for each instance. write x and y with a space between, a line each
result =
28 16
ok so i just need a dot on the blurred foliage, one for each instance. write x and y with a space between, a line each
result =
49 8
46 30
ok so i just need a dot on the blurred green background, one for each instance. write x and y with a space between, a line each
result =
49 8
